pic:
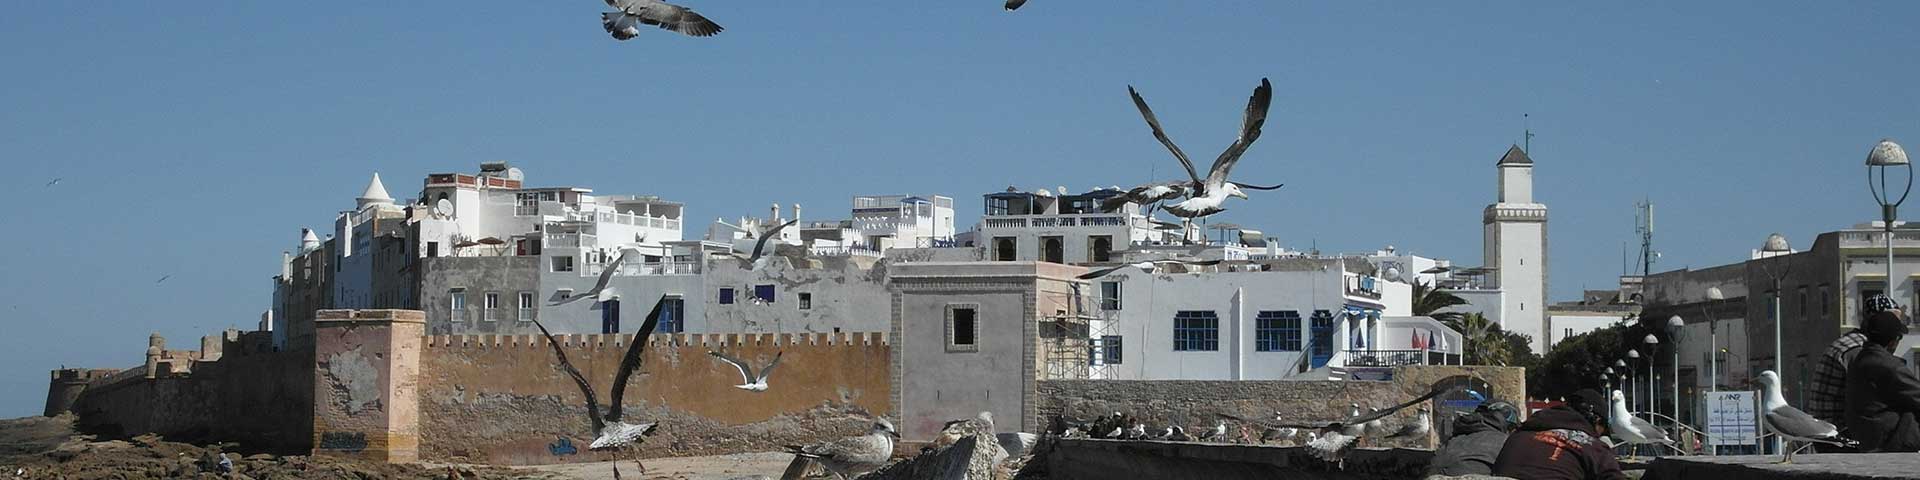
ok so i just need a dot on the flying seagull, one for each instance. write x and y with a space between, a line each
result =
624 23
853 456
614 434
1015 4
163 278
1205 196
750 381
1791 423
600 292
1625 427
1148 266
53 182
760 247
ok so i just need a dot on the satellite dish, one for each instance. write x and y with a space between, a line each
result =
1393 273
1062 189
443 208
513 173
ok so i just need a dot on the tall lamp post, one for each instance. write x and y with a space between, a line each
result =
1653 396
1888 154
1634 355
1673 328
1777 246
1713 338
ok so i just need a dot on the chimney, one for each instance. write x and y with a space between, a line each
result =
773 214
796 211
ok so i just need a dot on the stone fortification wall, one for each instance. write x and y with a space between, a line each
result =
503 400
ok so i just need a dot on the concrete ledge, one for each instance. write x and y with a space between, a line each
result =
336 318
1832 466
1107 459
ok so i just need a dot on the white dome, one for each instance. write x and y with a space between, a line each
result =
376 193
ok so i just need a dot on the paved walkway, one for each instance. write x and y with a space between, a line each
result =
724 467
1836 466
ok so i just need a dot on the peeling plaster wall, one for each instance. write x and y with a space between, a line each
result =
502 399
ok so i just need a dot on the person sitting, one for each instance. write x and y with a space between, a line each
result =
1883 395
1562 443
1827 396
1476 441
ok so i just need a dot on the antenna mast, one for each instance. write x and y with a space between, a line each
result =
1643 220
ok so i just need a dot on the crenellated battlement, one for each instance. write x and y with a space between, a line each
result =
663 340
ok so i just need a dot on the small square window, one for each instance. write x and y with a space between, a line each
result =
526 307
763 292
1109 350
726 296
1110 295
563 264
806 301
963 327
457 305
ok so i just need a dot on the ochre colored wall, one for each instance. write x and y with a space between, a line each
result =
503 399
251 395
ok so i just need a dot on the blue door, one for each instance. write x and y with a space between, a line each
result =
672 311
1322 338
610 316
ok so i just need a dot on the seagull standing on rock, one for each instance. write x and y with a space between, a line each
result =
853 456
1417 430
1791 423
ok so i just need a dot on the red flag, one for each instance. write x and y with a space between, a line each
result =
1418 342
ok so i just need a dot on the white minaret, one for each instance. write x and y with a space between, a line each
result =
1516 246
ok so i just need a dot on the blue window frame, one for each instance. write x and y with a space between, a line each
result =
726 296
1196 331
1322 324
673 314
1277 331
763 292
1108 352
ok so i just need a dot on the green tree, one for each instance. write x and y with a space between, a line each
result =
1487 343
1428 301
1577 362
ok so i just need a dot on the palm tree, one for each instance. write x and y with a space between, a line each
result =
1486 341
1429 301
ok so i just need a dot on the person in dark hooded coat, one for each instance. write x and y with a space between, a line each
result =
1477 438
1562 443
1883 394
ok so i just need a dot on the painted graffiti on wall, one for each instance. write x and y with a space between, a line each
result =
344 441
562 446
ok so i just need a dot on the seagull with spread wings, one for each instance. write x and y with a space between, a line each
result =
1148 266
760 248
1015 4
1205 196
601 292
624 23
750 381
614 434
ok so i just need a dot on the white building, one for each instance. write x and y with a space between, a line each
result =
1515 249
1025 226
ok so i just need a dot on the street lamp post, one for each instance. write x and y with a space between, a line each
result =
1653 396
1713 338
1888 154
1633 354
1673 328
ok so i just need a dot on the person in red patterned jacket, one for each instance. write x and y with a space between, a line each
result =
1562 443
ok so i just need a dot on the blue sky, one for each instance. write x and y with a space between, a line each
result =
195 140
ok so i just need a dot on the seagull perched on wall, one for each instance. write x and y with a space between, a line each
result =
1631 429
1219 431
614 434
750 381
624 23
1334 439
1204 196
600 291
1417 430
1148 266
1791 423
853 456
